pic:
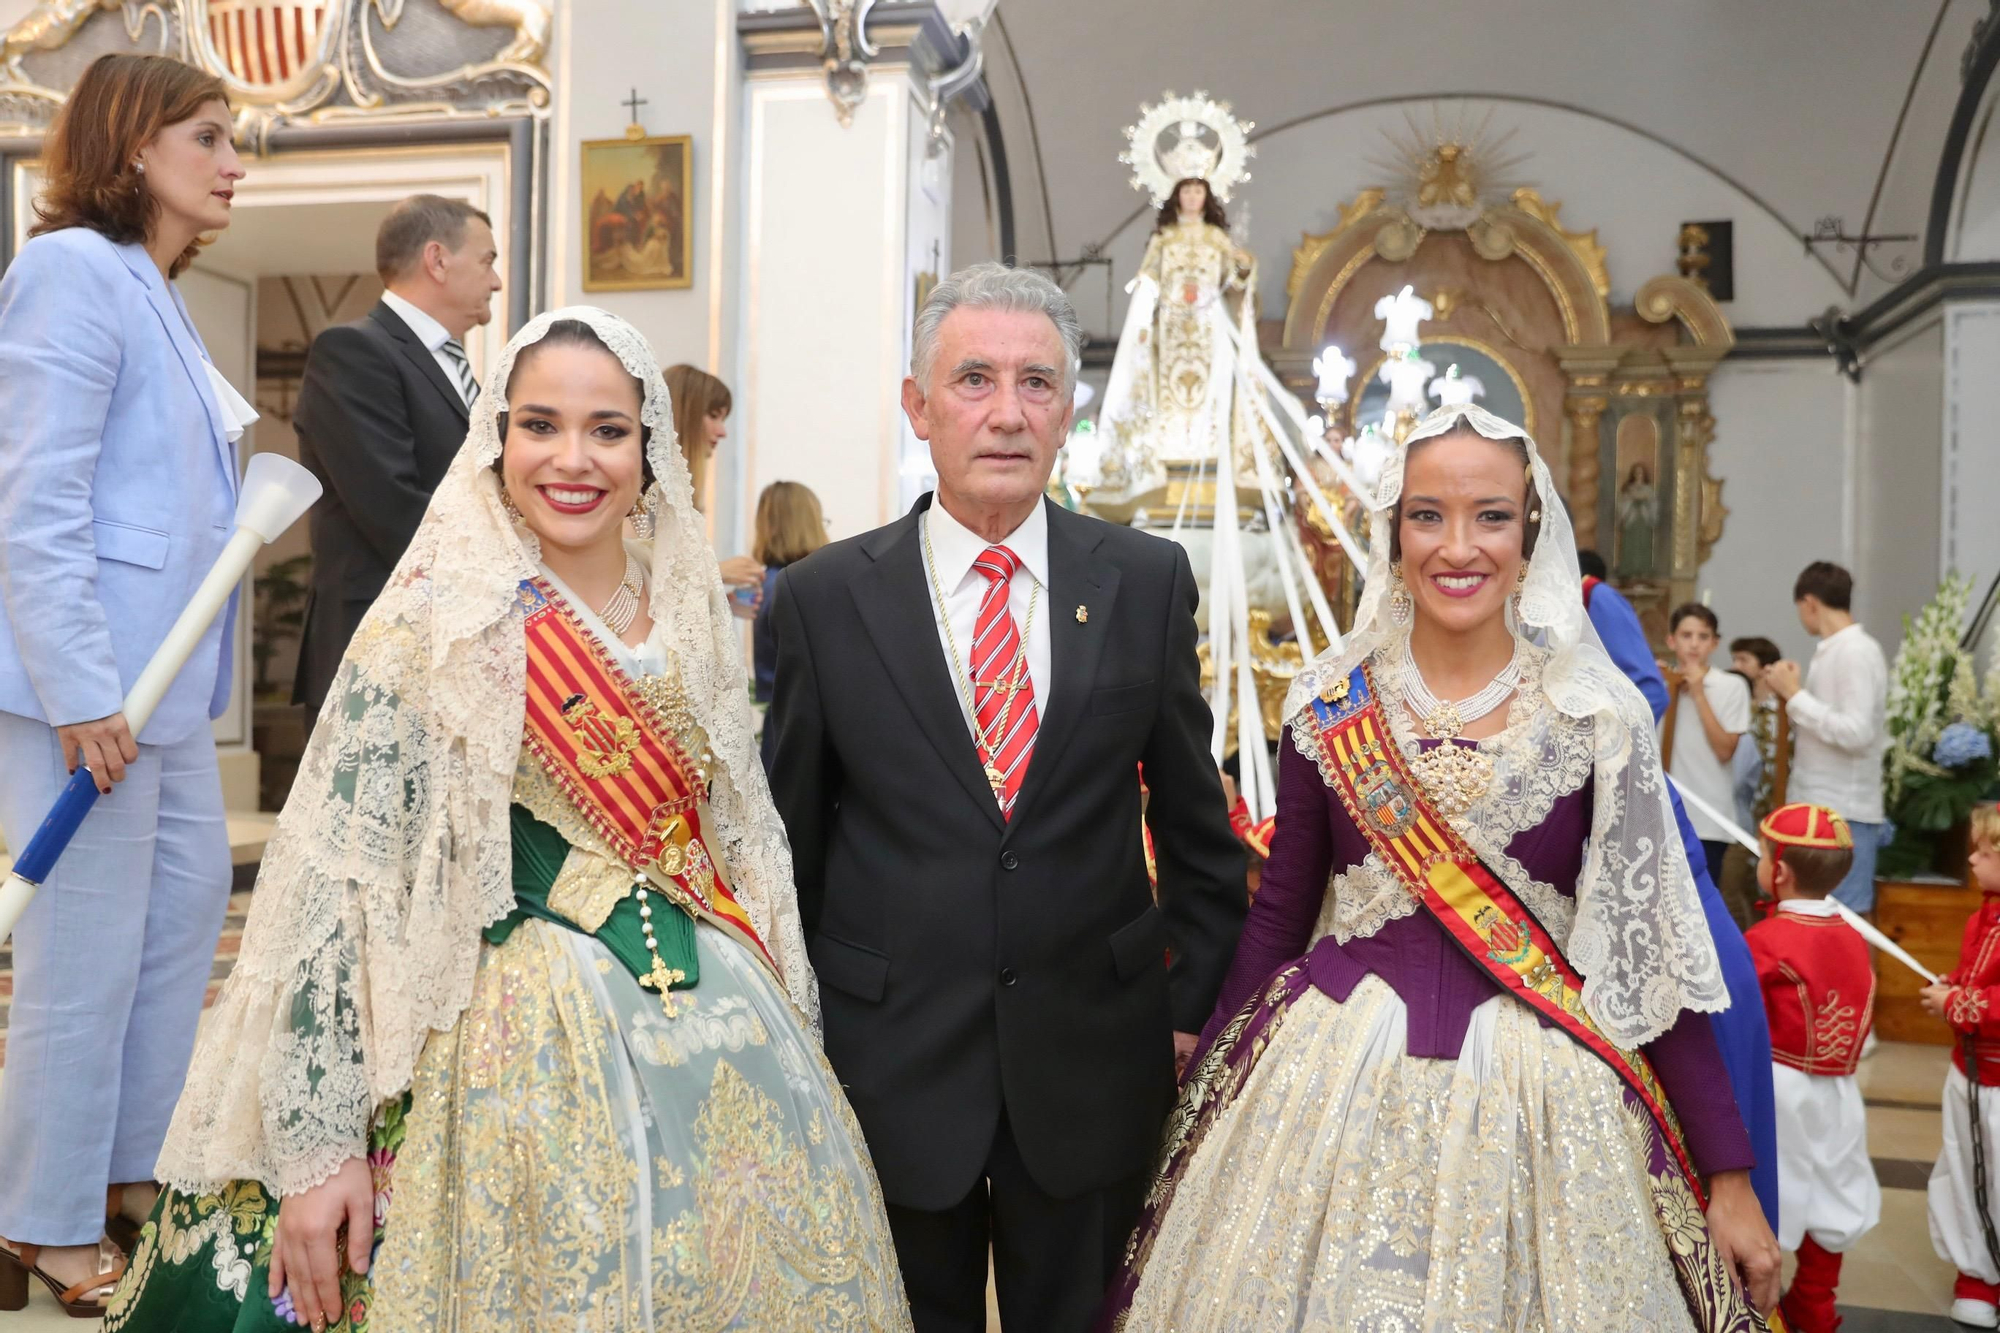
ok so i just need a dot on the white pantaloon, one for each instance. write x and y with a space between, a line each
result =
111 962
1954 1208
1826 1183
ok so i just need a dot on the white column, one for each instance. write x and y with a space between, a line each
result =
1971 471
839 222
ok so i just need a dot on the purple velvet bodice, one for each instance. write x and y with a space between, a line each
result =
1438 984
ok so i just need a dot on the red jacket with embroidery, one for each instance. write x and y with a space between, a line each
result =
1973 1007
1819 990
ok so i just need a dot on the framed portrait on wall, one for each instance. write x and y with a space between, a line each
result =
638 217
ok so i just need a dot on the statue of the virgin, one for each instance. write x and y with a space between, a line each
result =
1173 392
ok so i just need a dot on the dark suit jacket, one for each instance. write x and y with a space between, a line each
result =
970 965
378 423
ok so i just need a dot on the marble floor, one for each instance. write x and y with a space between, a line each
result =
1892 1282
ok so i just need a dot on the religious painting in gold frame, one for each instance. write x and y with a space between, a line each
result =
638 214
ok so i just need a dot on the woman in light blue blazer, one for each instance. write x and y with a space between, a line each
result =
118 477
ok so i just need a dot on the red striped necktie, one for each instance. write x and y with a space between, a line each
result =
1003 695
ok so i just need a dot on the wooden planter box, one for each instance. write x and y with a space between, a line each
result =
1927 917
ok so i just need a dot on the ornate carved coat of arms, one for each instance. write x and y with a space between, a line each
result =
294 61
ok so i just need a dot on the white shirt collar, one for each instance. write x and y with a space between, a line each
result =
954 546
1810 907
1844 632
430 333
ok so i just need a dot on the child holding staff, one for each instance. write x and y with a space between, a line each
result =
1819 991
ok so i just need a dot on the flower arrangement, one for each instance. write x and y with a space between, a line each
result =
1942 730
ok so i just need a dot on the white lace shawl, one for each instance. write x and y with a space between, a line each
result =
1639 937
393 852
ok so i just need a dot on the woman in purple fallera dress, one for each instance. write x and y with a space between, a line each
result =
1460 1075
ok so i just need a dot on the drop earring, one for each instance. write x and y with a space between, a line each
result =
1400 605
507 503
1520 586
643 525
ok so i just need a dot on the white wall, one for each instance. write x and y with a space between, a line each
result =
1971 465
828 299
684 60
1782 430
1897 480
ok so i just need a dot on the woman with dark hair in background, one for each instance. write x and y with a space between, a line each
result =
702 404
117 443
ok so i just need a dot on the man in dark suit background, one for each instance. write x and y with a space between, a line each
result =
964 699
381 411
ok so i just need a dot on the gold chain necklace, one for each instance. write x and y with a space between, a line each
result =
1011 680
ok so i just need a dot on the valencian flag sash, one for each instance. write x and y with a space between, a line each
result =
1368 772
606 746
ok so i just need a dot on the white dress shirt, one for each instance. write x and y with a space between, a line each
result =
1839 728
431 334
953 548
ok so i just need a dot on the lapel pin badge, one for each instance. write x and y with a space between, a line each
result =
1082 615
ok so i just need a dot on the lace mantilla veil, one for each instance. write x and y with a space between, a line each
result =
394 852
1640 938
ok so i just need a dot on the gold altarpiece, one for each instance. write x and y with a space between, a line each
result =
1616 396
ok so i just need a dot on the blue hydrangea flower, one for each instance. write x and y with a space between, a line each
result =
1961 744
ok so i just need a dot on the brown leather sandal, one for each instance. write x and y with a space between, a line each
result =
86 1300
123 1231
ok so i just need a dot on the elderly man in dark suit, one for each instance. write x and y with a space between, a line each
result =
964 702
382 409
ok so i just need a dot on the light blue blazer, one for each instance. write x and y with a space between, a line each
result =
117 486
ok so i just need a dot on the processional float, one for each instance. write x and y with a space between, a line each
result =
1197 438
275 492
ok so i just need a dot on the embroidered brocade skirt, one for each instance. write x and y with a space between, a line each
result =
1338 1183
572 1157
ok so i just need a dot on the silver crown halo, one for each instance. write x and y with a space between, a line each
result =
1186 138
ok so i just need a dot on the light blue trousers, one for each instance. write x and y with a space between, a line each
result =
1857 890
110 965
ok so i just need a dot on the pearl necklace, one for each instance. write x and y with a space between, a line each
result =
623 608
1455 775
1447 719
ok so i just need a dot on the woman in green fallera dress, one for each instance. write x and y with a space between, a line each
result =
523 1034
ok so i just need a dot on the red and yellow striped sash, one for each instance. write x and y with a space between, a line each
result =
610 752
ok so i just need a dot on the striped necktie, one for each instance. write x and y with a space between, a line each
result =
1003 695
461 371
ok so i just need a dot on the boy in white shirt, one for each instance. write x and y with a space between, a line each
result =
1708 716
1839 721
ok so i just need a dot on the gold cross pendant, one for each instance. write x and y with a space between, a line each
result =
663 978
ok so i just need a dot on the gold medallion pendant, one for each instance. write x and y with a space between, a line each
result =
1455 775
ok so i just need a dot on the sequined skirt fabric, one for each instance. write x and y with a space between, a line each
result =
1349 1186
573 1158
577 1159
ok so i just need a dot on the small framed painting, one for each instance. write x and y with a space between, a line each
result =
638 232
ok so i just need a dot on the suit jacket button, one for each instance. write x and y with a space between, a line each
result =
1007 977
1009 861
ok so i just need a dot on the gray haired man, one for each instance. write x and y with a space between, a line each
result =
381 411
965 702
